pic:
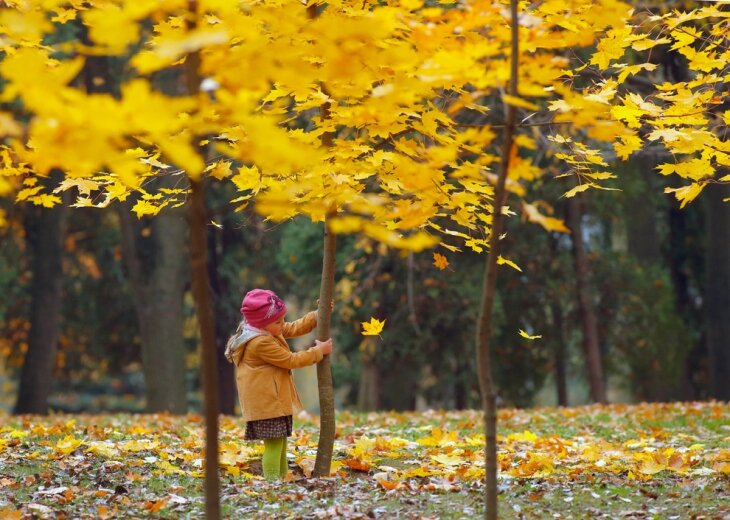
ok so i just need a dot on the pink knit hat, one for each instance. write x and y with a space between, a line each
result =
261 307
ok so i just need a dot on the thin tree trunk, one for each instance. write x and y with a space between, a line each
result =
561 380
326 443
203 302
717 290
325 385
225 378
46 237
204 306
484 323
367 395
587 312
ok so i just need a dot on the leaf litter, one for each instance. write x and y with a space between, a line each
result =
607 461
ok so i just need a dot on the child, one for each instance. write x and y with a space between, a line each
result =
263 364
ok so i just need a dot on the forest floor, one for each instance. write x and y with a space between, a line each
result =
658 461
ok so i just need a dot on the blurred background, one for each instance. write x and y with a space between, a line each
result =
637 276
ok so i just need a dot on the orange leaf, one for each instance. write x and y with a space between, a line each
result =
388 485
440 261
357 465
154 507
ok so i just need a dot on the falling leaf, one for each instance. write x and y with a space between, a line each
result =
527 336
373 327
440 261
501 261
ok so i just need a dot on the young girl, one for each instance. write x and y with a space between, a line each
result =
263 364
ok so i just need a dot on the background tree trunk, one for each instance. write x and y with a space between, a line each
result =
368 398
326 443
484 321
157 269
642 200
586 309
561 376
717 290
45 234
225 379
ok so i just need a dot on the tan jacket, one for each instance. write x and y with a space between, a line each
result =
263 370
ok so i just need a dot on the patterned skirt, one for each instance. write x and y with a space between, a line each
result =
269 428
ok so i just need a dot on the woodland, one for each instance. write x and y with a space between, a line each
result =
520 210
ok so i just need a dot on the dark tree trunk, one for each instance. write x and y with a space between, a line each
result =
644 242
226 380
45 234
561 379
157 270
589 324
717 290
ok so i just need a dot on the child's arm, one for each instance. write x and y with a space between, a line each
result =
270 351
301 326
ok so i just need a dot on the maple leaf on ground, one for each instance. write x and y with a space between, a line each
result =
373 327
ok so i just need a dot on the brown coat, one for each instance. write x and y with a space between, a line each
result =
264 366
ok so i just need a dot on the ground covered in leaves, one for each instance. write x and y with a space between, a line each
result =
619 461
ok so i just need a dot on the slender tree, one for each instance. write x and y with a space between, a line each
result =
325 385
203 300
484 323
586 309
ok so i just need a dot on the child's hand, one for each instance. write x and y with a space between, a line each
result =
325 346
332 304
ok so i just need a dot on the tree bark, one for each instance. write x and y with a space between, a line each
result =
204 306
225 378
367 395
642 200
203 301
589 324
157 273
717 290
325 386
484 323
561 380
45 235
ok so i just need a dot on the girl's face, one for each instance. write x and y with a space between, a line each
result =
275 328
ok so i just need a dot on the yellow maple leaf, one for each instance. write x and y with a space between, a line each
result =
628 145
527 336
501 260
549 223
220 170
449 461
373 327
440 261
68 444
686 194
581 187
519 102
64 15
